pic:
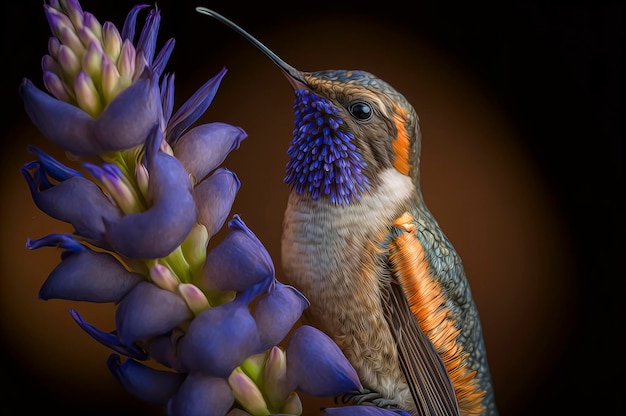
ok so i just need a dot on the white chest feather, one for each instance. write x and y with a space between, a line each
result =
324 246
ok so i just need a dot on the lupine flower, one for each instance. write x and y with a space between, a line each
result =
146 197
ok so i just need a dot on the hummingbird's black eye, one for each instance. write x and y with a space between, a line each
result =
360 110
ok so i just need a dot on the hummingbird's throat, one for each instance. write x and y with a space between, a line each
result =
323 159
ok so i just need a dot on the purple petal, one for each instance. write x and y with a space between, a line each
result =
156 232
124 124
147 38
128 30
77 201
363 411
317 365
238 262
108 339
89 276
53 167
167 96
146 383
214 198
201 395
163 349
130 117
277 311
64 124
65 241
149 311
205 147
219 339
158 66
193 108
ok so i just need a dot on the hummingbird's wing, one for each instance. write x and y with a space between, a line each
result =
412 308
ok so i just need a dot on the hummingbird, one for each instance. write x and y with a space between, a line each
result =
383 280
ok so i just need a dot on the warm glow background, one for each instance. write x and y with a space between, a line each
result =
521 165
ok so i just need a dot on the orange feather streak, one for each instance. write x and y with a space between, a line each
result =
427 303
401 142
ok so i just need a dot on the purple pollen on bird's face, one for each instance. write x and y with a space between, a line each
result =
323 159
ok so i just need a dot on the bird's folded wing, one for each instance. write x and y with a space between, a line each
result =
425 372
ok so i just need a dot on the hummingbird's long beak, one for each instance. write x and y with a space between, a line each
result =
294 76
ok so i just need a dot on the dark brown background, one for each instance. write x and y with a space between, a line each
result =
522 118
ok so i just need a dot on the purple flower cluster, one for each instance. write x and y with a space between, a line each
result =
144 202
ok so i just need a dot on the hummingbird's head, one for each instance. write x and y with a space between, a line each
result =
350 126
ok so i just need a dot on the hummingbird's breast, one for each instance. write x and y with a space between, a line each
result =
332 254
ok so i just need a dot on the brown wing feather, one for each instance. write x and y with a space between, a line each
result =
423 368
419 295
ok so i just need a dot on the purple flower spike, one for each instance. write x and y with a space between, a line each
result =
148 384
363 411
238 262
77 201
277 311
219 339
205 147
317 365
201 395
89 276
156 232
214 198
149 311
125 123
108 339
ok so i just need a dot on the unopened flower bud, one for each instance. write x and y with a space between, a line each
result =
143 178
92 62
93 25
247 393
112 41
195 299
163 277
275 383
56 86
126 61
68 62
87 95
